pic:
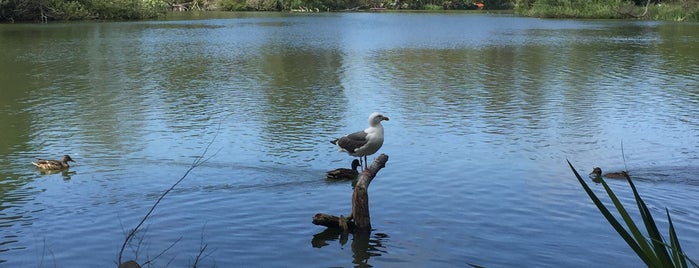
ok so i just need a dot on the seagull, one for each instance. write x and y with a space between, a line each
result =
364 142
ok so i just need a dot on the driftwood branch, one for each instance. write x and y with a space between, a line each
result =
645 10
627 12
332 221
180 6
359 220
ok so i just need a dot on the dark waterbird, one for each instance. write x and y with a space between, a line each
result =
596 174
344 173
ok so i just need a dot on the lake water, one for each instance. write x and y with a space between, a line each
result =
484 111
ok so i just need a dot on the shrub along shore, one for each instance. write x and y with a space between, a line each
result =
670 10
62 10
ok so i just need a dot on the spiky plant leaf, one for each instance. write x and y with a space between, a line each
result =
648 260
654 251
657 240
677 254
633 228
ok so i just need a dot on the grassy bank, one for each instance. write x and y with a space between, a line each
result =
676 10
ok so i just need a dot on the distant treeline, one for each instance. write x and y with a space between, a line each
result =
48 10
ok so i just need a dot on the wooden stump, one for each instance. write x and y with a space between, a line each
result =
360 219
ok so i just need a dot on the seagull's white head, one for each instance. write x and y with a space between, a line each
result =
376 118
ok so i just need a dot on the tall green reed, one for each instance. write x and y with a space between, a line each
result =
654 251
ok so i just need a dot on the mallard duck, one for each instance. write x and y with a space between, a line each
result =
363 142
344 173
597 173
54 164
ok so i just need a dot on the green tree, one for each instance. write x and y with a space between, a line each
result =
45 10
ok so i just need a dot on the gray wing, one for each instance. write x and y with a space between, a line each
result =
352 141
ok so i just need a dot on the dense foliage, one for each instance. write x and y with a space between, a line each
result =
45 10
339 5
677 10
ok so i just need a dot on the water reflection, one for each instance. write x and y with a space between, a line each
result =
300 102
364 246
329 234
17 210
66 174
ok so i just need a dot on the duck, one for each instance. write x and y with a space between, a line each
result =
597 174
364 142
344 173
54 164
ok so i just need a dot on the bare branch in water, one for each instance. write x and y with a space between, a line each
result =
198 161
202 249
150 261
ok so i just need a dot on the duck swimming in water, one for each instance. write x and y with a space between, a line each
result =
54 164
344 173
597 174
